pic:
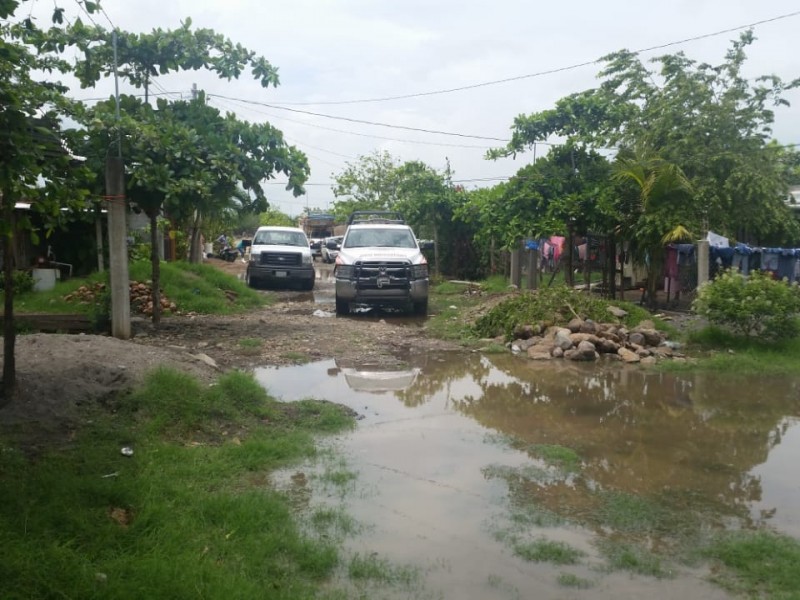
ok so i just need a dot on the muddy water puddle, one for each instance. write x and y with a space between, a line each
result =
492 477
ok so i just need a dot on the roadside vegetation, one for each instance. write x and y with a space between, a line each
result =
191 512
194 288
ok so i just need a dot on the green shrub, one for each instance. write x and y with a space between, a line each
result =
22 280
555 305
756 305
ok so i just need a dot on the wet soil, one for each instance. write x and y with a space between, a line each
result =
61 375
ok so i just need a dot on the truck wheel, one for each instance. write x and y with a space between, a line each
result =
421 308
342 307
252 283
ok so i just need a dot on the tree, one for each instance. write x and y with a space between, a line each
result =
189 161
710 121
367 184
142 57
665 206
35 164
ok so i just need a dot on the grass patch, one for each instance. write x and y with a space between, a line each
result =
375 569
250 346
764 565
189 514
296 357
543 550
633 514
553 306
196 288
718 350
628 557
562 457
571 580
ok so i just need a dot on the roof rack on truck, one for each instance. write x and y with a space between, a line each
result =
376 216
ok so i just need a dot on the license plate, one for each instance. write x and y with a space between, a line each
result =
382 281
281 273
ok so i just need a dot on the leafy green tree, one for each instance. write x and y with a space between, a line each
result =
187 160
143 57
708 120
35 163
273 216
663 208
367 184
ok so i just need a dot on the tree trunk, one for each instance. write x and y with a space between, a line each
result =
9 333
436 247
195 251
156 269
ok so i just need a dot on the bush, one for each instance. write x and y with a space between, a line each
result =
756 305
22 281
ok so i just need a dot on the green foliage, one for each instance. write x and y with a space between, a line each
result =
550 306
709 120
200 288
22 282
764 564
543 550
756 305
183 517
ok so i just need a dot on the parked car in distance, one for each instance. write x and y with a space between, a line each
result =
330 248
280 255
316 246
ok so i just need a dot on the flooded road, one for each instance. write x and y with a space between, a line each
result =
464 465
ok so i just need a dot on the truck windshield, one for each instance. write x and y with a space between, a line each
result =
380 238
280 238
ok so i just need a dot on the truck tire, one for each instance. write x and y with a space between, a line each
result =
421 308
342 307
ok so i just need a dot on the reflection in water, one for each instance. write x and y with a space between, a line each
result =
714 450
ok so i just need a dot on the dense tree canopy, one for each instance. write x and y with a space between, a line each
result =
708 120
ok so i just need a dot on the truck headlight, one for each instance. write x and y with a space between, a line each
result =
344 271
419 271
307 259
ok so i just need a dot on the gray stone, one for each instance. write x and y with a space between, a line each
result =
617 312
562 339
575 325
637 338
584 352
557 352
588 326
648 360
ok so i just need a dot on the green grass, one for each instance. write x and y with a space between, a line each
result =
562 457
196 288
763 565
717 350
375 569
573 581
543 550
189 515
622 556
296 357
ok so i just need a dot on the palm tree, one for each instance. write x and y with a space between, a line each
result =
661 213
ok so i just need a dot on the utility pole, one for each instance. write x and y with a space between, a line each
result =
194 91
118 233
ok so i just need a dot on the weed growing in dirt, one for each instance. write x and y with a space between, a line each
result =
380 570
623 556
187 514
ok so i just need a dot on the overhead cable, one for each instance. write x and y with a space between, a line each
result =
540 73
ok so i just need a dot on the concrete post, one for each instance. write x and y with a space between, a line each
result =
533 269
516 267
702 262
118 249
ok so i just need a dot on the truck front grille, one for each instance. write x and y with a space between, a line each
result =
281 259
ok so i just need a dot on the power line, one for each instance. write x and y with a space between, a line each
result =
87 13
101 98
375 137
363 122
540 73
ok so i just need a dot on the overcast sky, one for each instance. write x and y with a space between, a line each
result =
343 50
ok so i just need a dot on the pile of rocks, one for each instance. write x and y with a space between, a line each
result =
141 297
587 340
